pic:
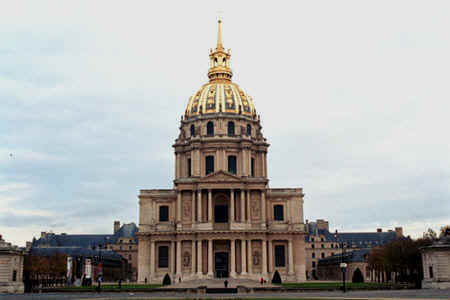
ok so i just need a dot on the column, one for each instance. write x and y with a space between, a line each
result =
271 269
291 257
210 258
154 212
144 258
199 206
193 257
210 206
172 257
193 207
249 255
179 258
243 258
263 206
242 206
264 257
179 206
248 206
152 259
231 205
233 258
199 258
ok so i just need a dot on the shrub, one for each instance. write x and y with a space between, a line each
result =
166 280
276 277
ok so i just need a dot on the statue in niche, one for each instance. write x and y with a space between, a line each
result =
256 258
255 207
186 259
186 210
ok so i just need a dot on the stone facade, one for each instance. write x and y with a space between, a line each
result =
11 268
436 263
221 219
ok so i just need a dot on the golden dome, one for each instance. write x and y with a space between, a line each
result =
220 94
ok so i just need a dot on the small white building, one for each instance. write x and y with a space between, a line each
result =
11 268
436 263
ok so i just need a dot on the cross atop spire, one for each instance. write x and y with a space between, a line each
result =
219 60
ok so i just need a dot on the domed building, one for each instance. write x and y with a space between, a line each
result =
221 219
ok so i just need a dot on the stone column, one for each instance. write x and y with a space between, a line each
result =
199 207
263 206
243 258
193 207
172 257
193 257
248 207
210 211
291 257
152 259
144 258
242 206
199 258
271 269
233 258
155 215
231 205
179 206
210 258
179 258
264 257
250 257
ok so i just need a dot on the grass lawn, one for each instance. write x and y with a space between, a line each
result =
230 298
115 286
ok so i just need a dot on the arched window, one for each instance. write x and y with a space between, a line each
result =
209 165
232 164
192 130
249 130
210 128
231 128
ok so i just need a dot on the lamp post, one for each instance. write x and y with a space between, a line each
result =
342 265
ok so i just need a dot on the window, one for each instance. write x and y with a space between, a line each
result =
14 277
312 246
280 260
322 246
249 130
312 239
430 269
232 164
231 128
192 130
313 264
210 129
209 164
278 212
322 255
129 247
332 245
332 253
313 255
129 257
253 167
163 213
321 239
188 168
163 256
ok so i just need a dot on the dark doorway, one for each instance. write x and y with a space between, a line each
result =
221 214
221 264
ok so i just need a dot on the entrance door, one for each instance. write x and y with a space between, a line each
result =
221 264
221 214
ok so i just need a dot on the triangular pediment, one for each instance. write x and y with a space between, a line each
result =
221 176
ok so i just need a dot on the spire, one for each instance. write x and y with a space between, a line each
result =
219 35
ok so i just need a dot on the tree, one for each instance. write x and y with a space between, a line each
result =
166 280
430 234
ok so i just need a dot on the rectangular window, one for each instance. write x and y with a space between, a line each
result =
163 256
209 165
232 164
188 168
313 255
163 213
431 271
323 255
253 167
280 260
278 212
313 264
14 277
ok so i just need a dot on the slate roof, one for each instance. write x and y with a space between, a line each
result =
76 251
353 256
86 240
352 239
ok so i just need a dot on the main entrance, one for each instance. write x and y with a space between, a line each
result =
221 264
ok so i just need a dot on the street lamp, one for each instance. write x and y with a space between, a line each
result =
342 265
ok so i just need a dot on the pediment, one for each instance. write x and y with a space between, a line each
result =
221 176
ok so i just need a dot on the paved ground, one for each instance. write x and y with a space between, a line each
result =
387 294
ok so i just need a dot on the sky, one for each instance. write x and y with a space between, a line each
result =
354 99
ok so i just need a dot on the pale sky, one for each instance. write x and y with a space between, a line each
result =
353 95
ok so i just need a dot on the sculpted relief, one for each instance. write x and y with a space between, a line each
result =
186 210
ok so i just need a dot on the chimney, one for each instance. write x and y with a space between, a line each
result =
43 234
322 224
399 231
116 226
379 230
